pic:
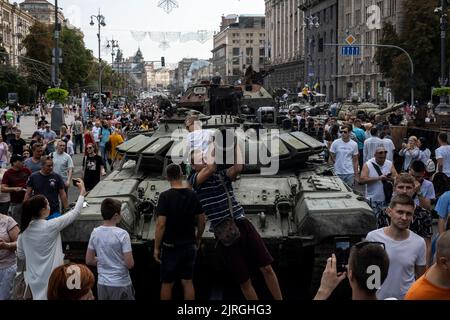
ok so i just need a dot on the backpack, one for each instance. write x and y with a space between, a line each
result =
430 166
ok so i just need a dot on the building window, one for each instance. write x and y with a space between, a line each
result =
380 5
348 20
368 37
367 65
249 51
357 65
320 49
262 52
377 36
236 51
357 17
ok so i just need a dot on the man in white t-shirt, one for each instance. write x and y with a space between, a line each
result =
96 133
426 193
371 144
406 250
390 148
443 155
374 180
344 153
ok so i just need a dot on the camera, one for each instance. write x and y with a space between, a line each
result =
342 252
75 181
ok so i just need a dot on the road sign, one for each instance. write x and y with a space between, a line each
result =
350 39
351 51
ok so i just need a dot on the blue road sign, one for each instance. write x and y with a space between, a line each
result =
351 51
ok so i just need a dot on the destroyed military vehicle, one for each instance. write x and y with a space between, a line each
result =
299 211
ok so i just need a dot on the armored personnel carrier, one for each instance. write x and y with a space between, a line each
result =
298 209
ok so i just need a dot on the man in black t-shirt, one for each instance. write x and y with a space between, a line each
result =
17 143
179 213
49 184
93 168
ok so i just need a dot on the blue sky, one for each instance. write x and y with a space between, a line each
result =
121 17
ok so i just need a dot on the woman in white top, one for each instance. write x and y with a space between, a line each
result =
410 152
425 153
40 241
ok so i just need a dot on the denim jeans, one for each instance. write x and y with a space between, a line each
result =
348 179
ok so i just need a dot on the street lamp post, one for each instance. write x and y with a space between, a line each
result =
442 107
101 23
310 23
113 45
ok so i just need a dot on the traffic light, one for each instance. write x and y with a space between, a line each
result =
163 62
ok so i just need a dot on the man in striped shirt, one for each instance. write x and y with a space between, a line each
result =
249 248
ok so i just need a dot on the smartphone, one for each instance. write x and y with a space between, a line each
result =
342 251
74 182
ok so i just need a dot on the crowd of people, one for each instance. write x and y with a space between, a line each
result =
411 255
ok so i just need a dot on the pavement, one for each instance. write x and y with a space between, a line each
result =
28 127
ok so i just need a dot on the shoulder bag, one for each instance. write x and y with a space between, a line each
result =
388 187
227 232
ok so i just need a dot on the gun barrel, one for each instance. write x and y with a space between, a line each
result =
390 109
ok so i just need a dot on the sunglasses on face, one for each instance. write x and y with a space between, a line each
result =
344 131
382 152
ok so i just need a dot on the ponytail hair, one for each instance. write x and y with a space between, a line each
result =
32 209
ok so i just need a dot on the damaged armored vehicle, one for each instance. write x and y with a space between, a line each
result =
295 202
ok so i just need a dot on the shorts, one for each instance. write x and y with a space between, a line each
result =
249 250
115 293
177 262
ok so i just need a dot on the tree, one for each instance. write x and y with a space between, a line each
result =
38 44
78 63
419 36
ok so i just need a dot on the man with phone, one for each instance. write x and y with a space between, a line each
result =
363 257
376 172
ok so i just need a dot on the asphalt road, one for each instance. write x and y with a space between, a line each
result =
27 125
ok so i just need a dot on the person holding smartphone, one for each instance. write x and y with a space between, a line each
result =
363 255
410 152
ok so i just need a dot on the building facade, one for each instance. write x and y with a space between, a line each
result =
360 75
321 28
284 47
239 44
181 79
42 10
14 27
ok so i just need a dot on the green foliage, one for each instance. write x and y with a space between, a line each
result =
39 44
78 69
55 94
419 36
441 91
12 81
